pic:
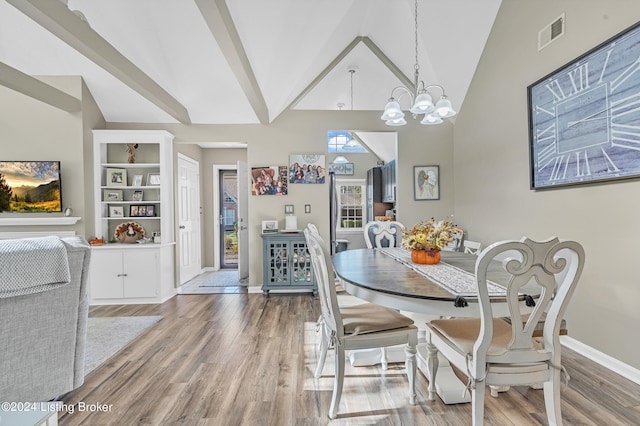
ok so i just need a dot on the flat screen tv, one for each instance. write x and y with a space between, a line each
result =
30 186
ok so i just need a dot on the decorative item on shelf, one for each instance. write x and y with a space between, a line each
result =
427 238
96 241
68 212
116 177
153 179
291 224
420 97
131 150
269 226
128 232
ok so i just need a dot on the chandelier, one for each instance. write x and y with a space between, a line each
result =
422 101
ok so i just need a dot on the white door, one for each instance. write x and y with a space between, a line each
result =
188 218
243 212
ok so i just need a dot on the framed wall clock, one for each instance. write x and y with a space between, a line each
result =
584 118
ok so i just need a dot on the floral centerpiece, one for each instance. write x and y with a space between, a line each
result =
428 237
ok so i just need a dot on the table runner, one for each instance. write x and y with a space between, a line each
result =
453 279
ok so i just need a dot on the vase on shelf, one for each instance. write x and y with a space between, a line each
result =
425 257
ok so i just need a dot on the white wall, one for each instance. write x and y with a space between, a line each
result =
491 162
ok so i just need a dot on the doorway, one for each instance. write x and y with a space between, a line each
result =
228 220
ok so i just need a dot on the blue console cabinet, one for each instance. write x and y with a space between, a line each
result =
287 263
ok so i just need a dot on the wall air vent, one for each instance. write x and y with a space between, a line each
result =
551 32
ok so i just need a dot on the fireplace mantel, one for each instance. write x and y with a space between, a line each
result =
38 221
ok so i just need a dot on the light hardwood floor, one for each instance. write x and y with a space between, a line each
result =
246 359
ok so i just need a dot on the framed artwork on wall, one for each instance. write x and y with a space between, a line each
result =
341 168
307 168
583 117
269 180
426 183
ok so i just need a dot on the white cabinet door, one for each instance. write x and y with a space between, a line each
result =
106 274
141 269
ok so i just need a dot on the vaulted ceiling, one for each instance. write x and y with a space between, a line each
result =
239 61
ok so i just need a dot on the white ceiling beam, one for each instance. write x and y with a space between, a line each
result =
218 19
389 64
374 49
34 88
66 25
325 72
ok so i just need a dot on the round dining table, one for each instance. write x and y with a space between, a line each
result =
378 278
375 277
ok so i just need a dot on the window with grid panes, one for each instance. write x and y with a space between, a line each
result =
351 204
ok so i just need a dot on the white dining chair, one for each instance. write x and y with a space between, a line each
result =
472 247
455 244
356 327
379 233
493 352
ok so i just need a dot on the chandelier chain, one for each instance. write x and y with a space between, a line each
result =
351 72
417 66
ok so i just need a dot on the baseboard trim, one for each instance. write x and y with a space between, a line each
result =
254 289
615 365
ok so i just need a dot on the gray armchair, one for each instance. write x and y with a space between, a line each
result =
43 331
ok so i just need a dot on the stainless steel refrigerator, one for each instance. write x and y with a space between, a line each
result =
333 212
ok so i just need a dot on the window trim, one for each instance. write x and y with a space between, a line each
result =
352 182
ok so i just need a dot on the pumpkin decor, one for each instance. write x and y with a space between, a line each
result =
128 232
427 238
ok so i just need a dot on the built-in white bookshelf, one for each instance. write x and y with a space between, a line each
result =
141 192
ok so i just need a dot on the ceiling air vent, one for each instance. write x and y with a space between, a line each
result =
551 32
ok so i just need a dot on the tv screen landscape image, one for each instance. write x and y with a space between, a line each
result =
30 186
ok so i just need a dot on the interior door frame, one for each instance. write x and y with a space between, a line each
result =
216 211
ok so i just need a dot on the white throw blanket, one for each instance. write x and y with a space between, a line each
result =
32 265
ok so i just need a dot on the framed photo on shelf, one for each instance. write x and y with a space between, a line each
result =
116 177
137 210
153 179
137 195
112 195
269 226
137 180
116 211
426 183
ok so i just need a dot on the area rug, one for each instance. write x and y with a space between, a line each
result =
215 279
108 335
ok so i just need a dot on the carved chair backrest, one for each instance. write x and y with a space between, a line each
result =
550 269
383 234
